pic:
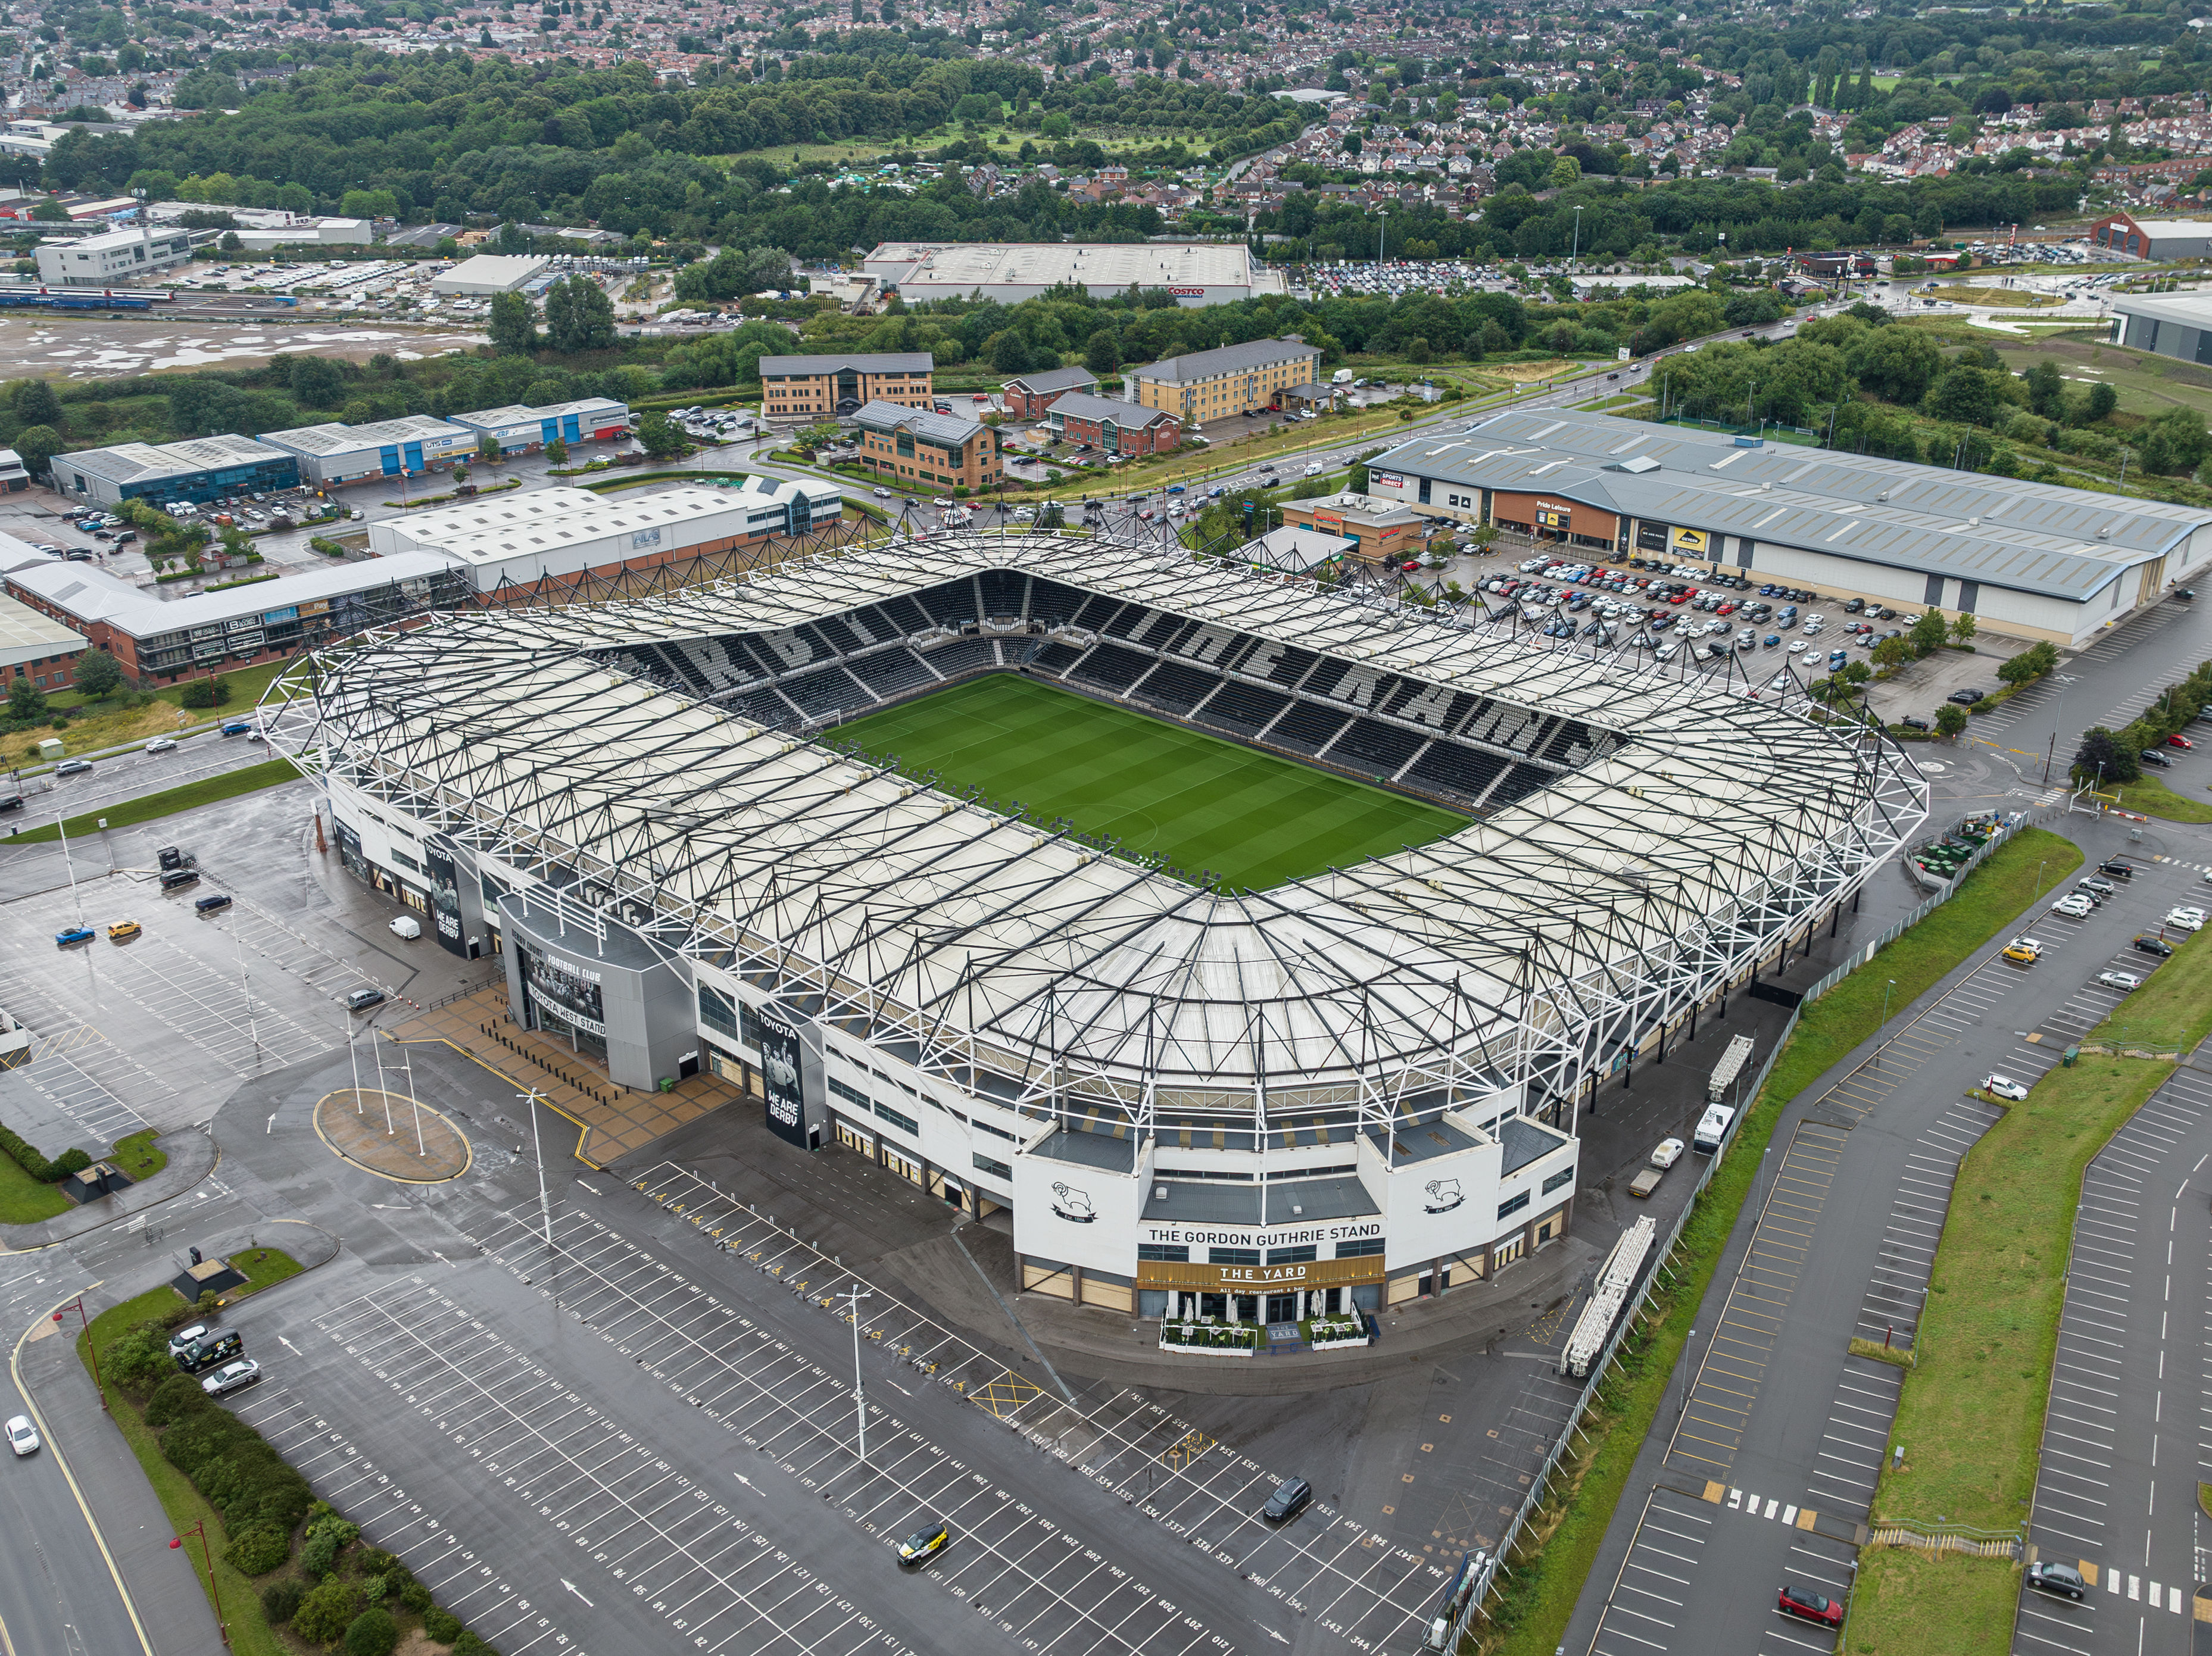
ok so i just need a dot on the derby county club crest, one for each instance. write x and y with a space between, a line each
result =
1071 1204
1445 1195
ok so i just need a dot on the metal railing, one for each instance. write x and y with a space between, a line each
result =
1662 1255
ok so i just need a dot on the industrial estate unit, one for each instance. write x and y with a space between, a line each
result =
1326 1095
2033 560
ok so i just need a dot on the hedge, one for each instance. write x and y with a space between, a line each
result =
45 1171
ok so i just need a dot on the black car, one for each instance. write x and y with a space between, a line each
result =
2151 943
2153 757
1913 724
208 905
1290 1498
2058 1578
2116 869
1966 698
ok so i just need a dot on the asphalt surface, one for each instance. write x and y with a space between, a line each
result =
129 774
2132 1378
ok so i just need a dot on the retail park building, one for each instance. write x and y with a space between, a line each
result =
1195 273
2029 559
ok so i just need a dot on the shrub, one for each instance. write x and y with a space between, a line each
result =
139 1362
35 1164
469 1645
442 1625
374 1633
416 1597
280 1601
259 1550
174 1398
325 1535
205 692
374 1560
327 1611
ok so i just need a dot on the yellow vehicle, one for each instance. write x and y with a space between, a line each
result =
924 1543
123 929
2025 951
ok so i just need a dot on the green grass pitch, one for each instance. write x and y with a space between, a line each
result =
1253 819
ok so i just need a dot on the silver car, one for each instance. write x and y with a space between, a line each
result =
232 1377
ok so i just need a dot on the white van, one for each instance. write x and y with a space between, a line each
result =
1712 1128
409 927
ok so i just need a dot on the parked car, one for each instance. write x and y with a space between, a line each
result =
2178 740
2119 868
2125 982
1967 698
2026 950
1668 1152
925 1543
74 934
2187 917
1808 1605
2075 905
232 1377
123 929
362 999
2004 1087
2054 1577
2151 943
1292 1497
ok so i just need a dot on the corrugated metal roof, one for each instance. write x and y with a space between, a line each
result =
2036 537
136 462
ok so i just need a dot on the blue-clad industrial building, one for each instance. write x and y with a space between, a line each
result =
199 468
332 454
517 428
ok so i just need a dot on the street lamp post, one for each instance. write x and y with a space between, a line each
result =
1575 254
215 1592
854 1295
544 1202
77 1305
1886 986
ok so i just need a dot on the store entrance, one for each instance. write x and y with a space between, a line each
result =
1282 1307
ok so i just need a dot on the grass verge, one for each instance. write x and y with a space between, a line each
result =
263 1267
184 1505
252 778
137 1156
2151 797
25 1200
2172 1012
1971 1412
1531 1615
1907 1603
1875 1352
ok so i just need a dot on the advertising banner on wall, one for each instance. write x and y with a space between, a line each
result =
439 866
567 988
782 1080
1692 542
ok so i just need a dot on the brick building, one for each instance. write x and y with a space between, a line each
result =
1234 380
1380 531
821 387
925 450
1115 427
38 647
1029 395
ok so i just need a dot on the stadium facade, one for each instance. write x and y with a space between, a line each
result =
1335 1094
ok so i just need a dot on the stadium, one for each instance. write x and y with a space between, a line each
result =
1257 944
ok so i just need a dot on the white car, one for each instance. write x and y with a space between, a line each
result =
1669 1153
2074 905
942 501
2125 982
2004 1087
2188 918
21 1437
161 744
1315 468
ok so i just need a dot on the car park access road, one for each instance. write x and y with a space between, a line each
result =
126 774
1762 1468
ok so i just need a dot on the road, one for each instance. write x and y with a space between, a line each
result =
129 774
1767 1456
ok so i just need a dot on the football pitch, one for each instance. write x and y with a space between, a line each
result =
1253 819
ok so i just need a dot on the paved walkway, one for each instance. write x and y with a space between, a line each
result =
616 1121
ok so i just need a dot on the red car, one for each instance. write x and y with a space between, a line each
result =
2179 742
1410 565
1811 1606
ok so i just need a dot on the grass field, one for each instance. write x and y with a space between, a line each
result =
229 785
2171 1013
1202 804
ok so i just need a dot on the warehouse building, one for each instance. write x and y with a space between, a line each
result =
154 642
602 537
115 258
491 273
1234 380
518 429
333 454
820 387
923 449
1195 273
2029 559
2153 239
1115 427
199 468
2167 325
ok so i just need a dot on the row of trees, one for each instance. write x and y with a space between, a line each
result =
2107 756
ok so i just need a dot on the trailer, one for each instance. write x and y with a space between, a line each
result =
1592 1328
1729 1069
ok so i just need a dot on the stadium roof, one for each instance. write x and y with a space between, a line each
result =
2033 537
1706 828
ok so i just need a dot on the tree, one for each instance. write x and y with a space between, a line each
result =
98 675
1892 653
37 446
1928 631
1008 354
2100 756
1102 352
35 403
27 703
579 316
1962 629
557 451
660 438
513 328
487 447
1950 719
